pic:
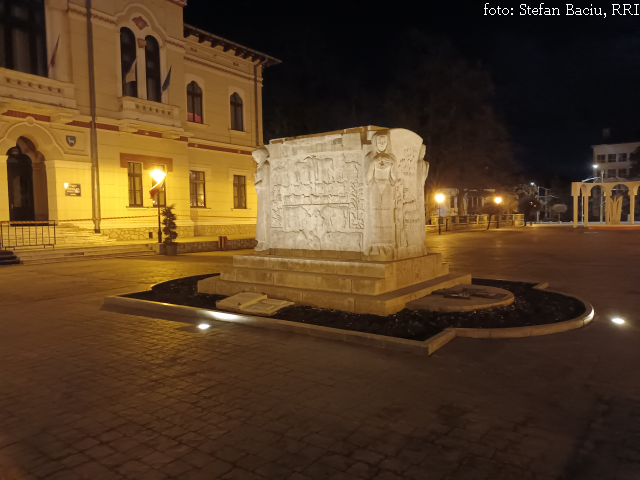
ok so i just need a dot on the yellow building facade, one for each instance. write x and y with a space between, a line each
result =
200 129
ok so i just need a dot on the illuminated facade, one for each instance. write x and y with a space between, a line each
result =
200 129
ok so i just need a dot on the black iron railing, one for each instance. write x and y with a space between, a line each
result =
27 234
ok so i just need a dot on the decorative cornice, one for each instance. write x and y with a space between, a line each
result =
97 16
179 136
175 44
180 3
214 67
219 149
35 116
140 23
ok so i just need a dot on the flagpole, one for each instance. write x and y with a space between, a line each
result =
52 63
95 172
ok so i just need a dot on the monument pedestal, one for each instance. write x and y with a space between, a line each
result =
351 285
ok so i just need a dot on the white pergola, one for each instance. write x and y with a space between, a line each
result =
582 189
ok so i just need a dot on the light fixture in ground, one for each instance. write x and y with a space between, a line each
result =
203 326
617 320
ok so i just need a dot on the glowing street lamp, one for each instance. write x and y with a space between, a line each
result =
498 201
439 199
159 177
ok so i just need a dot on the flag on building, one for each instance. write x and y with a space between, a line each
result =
167 81
131 74
52 63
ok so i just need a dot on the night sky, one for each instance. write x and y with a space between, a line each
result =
559 79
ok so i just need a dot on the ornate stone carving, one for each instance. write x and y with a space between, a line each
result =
263 190
140 22
359 191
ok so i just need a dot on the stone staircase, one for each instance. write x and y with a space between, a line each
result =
8 258
58 255
33 245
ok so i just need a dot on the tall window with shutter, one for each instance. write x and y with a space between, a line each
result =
127 58
237 122
152 57
194 103
135 184
197 189
23 45
239 191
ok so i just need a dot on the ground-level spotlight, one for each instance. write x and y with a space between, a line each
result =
203 326
619 321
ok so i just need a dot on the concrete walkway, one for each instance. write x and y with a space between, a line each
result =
90 394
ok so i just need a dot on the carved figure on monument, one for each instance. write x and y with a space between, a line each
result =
382 179
263 190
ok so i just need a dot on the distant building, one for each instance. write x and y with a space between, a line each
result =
613 157
612 160
466 204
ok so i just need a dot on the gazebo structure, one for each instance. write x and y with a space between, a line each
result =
613 206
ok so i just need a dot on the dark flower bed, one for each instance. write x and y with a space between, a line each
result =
531 307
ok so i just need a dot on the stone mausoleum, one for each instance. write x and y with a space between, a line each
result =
340 224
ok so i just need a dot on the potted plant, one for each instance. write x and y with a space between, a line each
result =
169 230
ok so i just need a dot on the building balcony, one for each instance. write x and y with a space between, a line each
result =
149 112
42 93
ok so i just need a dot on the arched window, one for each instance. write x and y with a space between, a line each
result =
127 61
237 122
23 45
194 103
152 55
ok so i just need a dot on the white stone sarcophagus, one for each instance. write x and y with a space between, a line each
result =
340 224
360 191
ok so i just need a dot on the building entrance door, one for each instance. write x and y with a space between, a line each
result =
20 186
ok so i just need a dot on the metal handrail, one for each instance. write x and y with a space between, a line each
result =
38 233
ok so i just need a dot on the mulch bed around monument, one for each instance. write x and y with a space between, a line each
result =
531 307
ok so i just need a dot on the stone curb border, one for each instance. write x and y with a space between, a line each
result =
428 347
533 330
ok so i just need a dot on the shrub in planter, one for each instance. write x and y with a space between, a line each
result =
169 230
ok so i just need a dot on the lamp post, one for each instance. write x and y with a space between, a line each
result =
439 199
498 201
159 176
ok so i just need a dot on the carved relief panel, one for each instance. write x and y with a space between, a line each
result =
359 191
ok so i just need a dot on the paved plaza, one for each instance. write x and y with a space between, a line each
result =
91 394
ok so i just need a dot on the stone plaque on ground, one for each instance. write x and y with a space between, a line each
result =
252 304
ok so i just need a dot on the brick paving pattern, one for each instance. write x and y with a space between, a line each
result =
91 394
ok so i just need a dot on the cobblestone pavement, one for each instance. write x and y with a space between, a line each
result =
91 394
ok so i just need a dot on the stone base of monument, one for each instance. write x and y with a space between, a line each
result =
347 284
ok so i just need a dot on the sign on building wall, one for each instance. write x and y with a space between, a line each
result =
73 190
